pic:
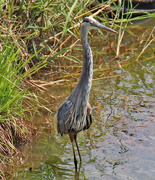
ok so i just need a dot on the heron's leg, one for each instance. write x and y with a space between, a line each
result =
75 138
71 135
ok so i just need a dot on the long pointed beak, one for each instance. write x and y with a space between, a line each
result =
101 26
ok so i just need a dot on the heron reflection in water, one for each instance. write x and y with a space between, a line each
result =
74 114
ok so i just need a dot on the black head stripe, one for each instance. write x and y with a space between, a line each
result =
86 19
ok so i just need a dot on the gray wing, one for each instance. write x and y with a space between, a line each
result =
64 117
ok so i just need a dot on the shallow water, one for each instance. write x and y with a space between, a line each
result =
119 145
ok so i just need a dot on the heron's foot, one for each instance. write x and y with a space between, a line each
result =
77 172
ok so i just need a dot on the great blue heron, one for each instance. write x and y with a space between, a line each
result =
74 114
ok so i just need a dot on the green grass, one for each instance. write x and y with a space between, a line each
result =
14 70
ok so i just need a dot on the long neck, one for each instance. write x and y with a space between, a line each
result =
82 89
87 69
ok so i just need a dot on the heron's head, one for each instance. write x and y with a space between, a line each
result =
91 23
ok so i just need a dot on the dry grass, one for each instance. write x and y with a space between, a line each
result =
13 133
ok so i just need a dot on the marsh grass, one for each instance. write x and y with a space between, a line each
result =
38 33
16 66
14 70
